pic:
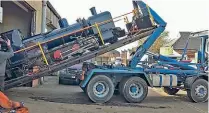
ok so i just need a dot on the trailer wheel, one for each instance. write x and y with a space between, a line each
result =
170 91
189 95
121 85
135 90
199 91
100 89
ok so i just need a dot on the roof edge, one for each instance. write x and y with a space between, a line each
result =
53 9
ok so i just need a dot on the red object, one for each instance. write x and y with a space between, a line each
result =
9 105
75 47
186 61
57 54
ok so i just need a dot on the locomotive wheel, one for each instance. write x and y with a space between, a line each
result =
135 90
100 89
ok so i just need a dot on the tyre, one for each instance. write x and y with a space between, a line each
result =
77 82
170 91
100 89
199 91
189 95
60 81
135 90
121 85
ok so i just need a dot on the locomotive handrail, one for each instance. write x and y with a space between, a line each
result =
100 34
42 52
104 22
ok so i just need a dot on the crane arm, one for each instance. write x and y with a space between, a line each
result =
161 24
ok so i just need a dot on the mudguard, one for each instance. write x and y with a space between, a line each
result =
116 72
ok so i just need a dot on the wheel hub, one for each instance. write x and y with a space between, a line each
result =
135 90
201 91
100 89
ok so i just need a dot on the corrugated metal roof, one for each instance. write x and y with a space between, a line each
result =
194 43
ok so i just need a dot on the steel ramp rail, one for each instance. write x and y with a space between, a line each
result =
76 60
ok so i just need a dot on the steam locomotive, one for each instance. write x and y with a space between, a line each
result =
17 64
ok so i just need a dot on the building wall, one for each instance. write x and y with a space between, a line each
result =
14 17
101 60
124 56
37 5
106 58
190 53
51 18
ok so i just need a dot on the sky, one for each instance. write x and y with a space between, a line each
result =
180 15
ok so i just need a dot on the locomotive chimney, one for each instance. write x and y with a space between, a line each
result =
93 11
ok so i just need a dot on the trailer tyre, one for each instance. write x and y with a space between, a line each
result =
170 91
121 85
189 95
100 89
135 90
199 91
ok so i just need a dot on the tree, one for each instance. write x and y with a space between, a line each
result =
161 41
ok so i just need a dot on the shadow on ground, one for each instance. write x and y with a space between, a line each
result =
52 92
117 100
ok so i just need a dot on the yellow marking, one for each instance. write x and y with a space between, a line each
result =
134 12
100 34
151 17
44 57
126 20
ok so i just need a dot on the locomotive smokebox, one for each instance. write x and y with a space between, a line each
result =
93 11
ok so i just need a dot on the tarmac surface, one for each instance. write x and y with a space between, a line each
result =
54 98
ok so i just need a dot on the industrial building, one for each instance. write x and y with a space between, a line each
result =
193 45
106 58
28 17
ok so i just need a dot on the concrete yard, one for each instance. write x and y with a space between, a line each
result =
54 98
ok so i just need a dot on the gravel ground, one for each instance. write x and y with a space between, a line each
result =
54 98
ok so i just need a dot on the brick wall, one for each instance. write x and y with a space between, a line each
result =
190 53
